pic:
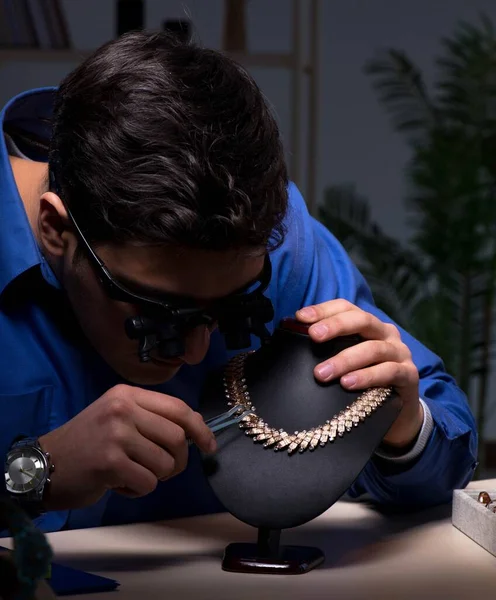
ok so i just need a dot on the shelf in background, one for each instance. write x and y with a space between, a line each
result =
255 60
42 55
275 61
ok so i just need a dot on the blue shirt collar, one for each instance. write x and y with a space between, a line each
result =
31 112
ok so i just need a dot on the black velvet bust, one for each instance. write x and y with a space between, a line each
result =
273 490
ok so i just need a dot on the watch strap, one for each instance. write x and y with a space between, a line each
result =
33 508
25 441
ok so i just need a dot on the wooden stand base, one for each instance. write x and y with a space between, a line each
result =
269 557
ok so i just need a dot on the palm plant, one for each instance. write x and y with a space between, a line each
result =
441 283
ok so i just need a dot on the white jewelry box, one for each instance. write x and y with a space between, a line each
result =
473 518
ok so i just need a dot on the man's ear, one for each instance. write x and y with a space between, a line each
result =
53 225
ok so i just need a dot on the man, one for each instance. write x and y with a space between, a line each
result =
154 174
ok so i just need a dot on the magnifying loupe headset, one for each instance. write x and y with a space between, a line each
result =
163 323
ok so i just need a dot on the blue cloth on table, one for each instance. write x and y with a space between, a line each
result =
67 581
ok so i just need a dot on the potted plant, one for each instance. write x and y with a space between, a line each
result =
23 571
440 284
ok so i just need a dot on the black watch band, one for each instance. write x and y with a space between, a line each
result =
33 509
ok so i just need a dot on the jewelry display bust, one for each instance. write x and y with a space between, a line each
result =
272 488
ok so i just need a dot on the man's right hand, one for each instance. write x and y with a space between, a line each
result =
127 440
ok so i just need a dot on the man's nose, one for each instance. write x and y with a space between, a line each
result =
196 345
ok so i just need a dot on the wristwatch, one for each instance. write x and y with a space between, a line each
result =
27 473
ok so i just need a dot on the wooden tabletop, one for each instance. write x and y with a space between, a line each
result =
369 555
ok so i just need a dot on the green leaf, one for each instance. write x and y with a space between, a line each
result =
401 88
392 270
441 283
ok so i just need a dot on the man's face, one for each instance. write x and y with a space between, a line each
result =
147 271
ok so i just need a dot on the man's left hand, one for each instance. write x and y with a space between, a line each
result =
381 360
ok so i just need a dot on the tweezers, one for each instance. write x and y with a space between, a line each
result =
225 420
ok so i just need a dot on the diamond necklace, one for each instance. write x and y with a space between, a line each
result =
237 394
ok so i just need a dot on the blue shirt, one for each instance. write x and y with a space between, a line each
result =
48 374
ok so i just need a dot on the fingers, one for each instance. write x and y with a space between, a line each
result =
340 317
178 412
349 323
170 454
130 478
361 355
143 447
317 312
399 375
382 359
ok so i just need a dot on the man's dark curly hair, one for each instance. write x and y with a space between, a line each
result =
161 142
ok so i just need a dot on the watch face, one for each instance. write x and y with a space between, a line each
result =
25 471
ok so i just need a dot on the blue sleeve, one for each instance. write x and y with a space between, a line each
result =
312 267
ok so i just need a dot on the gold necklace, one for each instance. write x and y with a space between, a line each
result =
237 394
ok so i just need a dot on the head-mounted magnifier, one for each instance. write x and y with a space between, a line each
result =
163 323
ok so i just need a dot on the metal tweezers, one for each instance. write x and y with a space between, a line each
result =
225 420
